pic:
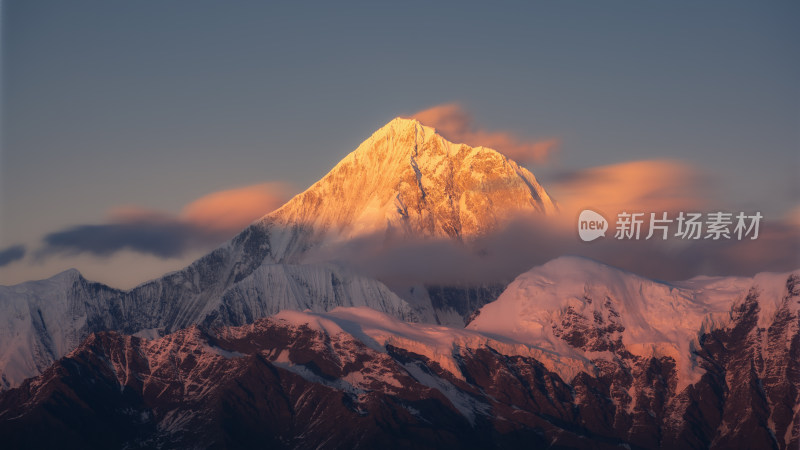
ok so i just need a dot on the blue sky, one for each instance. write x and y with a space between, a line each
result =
156 104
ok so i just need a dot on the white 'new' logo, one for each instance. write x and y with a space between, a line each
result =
591 225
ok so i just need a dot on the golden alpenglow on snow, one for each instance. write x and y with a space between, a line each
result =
407 181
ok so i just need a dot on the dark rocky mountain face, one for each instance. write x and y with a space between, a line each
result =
282 384
753 377
463 301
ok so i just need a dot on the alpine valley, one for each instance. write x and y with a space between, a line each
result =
274 341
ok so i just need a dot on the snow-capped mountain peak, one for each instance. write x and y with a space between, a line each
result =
407 181
577 303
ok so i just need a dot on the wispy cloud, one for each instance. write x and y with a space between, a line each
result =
11 254
649 185
164 239
231 210
203 223
453 122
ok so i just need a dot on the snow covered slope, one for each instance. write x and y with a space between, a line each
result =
41 321
574 303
